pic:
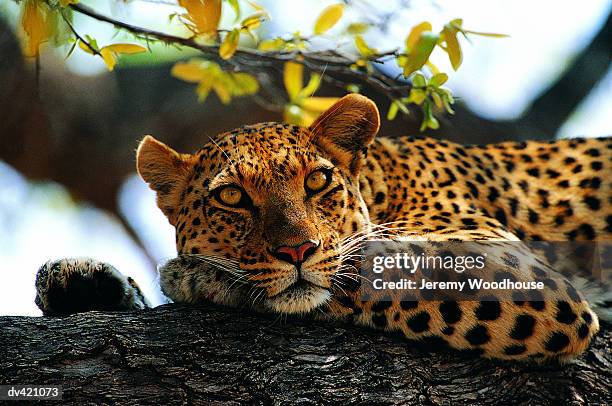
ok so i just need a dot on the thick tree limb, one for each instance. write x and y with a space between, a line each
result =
210 355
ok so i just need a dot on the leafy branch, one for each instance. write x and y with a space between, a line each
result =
231 70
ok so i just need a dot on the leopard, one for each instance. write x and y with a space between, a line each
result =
269 218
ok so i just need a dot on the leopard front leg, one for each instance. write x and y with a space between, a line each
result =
197 278
74 285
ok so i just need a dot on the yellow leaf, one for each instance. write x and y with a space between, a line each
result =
357 28
363 47
125 48
308 118
434 69
271 44
437 100
229 45
203 88
417 96
292 114
415 34
35 22
245 84
438 79
328 18
295 115
68 2
85 48
319 104
256 6
392 112
294 79
189 71
109 52
311 87
419 54
203 14
109 58
453 48
222 91
253 21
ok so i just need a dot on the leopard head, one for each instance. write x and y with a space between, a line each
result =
276 200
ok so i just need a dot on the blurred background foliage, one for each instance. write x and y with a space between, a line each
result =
73 109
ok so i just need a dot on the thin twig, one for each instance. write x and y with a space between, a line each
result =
331 62
76 34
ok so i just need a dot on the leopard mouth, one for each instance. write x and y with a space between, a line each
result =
301 296
300 285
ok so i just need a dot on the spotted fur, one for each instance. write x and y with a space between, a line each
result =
427 189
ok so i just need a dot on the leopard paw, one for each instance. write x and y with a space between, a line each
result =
71 285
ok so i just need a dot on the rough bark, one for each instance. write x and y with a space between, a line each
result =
210 355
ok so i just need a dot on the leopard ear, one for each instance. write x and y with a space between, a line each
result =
346 129
166 171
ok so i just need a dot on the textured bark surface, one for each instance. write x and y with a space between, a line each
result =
209 355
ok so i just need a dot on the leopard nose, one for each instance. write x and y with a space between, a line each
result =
296 254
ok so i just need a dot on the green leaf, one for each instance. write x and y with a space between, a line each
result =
457 23
92 42
447 99
418 80
419 55
437 100
417 96
393 108
429 121
71 50
353 88
438 79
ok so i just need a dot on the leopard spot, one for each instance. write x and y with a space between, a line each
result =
557 342
419 322
488 310
450 311
583 331
477 335
523 327
565 314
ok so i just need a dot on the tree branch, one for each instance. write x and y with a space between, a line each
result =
328 62
209 355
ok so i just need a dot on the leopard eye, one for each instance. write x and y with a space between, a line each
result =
318 180
232 196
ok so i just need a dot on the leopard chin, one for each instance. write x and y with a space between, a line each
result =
299 298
